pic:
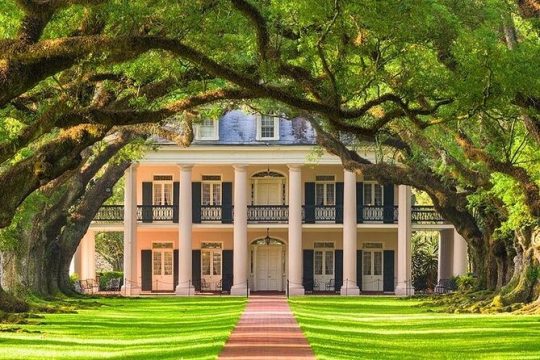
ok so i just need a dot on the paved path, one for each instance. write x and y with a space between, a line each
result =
267 330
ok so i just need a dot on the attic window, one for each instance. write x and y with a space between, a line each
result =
267 127
207 129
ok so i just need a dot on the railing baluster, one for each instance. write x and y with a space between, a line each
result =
268 213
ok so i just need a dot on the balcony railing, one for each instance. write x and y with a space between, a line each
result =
426 215
378 213
325 213
271 214
151 213
110 213
268 213
211 213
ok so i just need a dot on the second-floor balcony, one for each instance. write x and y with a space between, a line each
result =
268 214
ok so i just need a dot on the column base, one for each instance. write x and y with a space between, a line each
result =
185 290
239 290
296 291
129 291
404 290
350 291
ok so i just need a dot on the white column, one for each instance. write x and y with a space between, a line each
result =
131 283
185 287
349 235
91 255
404 278
295 230
240 252
83 258
77 263
446 249
460 265
72 265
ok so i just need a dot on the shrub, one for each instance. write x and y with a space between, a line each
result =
465 282
106 276
424 260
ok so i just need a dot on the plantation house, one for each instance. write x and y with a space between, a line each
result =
253 204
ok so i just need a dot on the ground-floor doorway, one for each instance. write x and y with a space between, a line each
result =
323 266
162 266
268 264
372 267
211 265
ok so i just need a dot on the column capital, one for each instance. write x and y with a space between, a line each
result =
240 167
347 171
295 167
185 167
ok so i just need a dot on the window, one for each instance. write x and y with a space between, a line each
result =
373 194
371 245
319 244
329 262
205 258
323 261
162 245
162 190
211 190
366 262
216 258
267 128
318 262
211 245
207 129
325 190
157 263
377 263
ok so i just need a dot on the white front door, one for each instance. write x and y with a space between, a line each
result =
372 270
210 268
268 192
162 270
323 269
268 269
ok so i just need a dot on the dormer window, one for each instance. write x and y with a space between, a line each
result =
207 129
267 127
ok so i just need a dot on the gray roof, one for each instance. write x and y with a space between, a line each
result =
239 128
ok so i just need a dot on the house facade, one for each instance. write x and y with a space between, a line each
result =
254 205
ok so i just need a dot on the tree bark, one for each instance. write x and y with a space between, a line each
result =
39 255
78 225
524 283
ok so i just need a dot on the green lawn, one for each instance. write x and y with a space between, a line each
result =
144 328
392 328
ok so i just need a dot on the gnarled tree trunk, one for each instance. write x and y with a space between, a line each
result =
523 286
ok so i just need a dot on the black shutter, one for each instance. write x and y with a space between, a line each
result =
359 269
196 269
339 203
147 190
196 202
176 200
227 271
307 278
339 270
388 202
146 270
309 209
226 201
388 271
359 202
176 262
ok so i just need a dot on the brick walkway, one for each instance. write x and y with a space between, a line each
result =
267 330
